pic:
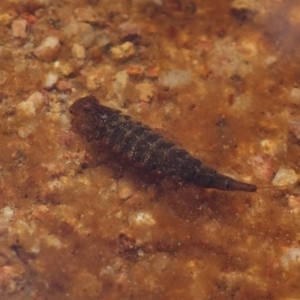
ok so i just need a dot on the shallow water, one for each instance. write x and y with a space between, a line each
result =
220 79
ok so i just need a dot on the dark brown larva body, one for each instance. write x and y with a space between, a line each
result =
141 145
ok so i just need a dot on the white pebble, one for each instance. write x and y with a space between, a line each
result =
97 77
26 107
37 98
103 40
270 59
271 147
294 204
145 91
50 80
295 95
174 78
120 83
78 51
6 213
25 131
125 188
123 51
64 121
55 184
121 79
66 68
80 33
53 241
142 218
35 248
34 102
285 176
290 257
48 50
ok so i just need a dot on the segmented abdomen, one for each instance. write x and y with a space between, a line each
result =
140 144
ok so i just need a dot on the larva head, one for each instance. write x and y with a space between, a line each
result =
83 106
87 117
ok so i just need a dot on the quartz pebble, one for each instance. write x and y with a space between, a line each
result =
26 130
78 51
6 214
123 51
145 91
295 95
294 204
272 147
119 85
142 218
38 100
290 258
125 188
270 60
34 102
55 184
65 67
80 33
50 80
19 28
25 231
174 78
48 49
97 77
53 241
103 40
285 176
26 107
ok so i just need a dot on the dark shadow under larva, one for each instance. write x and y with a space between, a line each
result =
143 146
